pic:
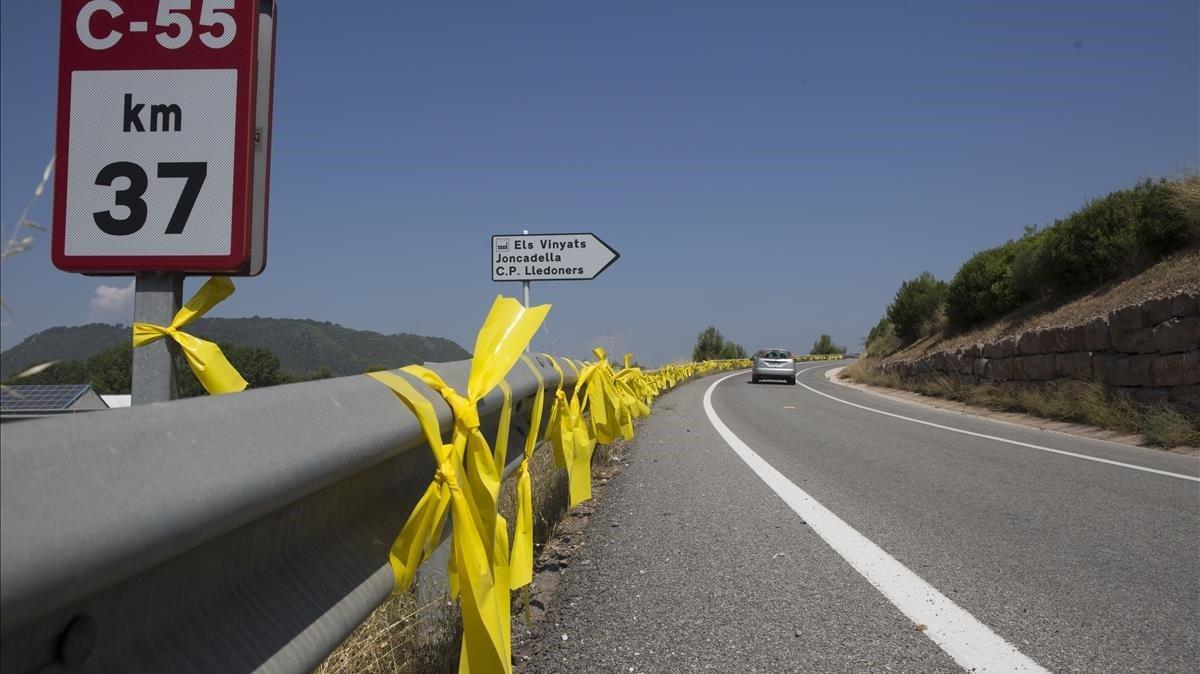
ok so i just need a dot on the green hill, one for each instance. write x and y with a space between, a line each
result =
301 345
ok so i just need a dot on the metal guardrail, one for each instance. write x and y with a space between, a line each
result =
235 533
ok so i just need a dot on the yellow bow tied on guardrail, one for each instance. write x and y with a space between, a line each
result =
558 429
479 540
521 559
210 366
610 415
578 441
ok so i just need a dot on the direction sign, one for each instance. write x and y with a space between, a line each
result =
157 119
549 257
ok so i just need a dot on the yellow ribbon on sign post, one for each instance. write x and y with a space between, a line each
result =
210 366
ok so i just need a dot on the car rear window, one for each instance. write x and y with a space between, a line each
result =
776 354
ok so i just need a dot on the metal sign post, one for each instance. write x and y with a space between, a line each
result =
525 284
525 292
156 300
163 151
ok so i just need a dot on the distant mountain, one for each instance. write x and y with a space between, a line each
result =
301 345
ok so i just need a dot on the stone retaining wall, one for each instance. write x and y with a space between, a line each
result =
1150 351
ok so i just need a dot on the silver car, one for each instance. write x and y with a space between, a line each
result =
774 364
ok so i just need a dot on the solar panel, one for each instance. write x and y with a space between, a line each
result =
41 397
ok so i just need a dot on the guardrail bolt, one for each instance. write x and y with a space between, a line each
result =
78 640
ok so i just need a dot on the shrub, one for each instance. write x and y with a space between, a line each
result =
916 304
935 324
1091 245
1116 234
710 344
1030 279
983 288
1172 217
825 346
882 340
732 349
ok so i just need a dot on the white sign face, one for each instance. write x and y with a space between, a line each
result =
151 163
549 257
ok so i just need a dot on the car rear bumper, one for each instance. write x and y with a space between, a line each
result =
782 372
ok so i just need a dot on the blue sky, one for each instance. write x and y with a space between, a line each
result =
774 169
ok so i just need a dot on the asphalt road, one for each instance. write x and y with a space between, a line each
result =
844 527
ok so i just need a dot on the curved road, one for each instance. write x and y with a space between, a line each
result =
819 528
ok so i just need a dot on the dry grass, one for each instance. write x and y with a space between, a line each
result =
1186 195
404 636
400 636
1074 401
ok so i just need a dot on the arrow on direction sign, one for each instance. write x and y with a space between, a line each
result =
549 257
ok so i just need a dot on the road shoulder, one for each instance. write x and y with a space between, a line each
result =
691 562
833 375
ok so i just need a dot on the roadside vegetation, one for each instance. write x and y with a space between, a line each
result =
710 345
111 371
1114 236
824 346
1072 401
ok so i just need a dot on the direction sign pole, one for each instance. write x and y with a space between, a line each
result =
525 289
525 284
156 300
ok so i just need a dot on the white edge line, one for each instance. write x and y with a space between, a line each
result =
932 406
997 438
973 645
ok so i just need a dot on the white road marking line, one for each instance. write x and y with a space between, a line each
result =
999 439
973 645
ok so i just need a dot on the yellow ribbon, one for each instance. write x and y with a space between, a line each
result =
211 367
482 570
521 559
558 429
610 415
583 444
479 538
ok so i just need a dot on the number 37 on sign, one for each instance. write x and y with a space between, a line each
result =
164 110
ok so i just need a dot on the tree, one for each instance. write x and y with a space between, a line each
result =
258 367
711 345
708 345
323 372
111 370
919 305
825 346
730 350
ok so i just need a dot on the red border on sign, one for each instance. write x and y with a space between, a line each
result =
141 51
